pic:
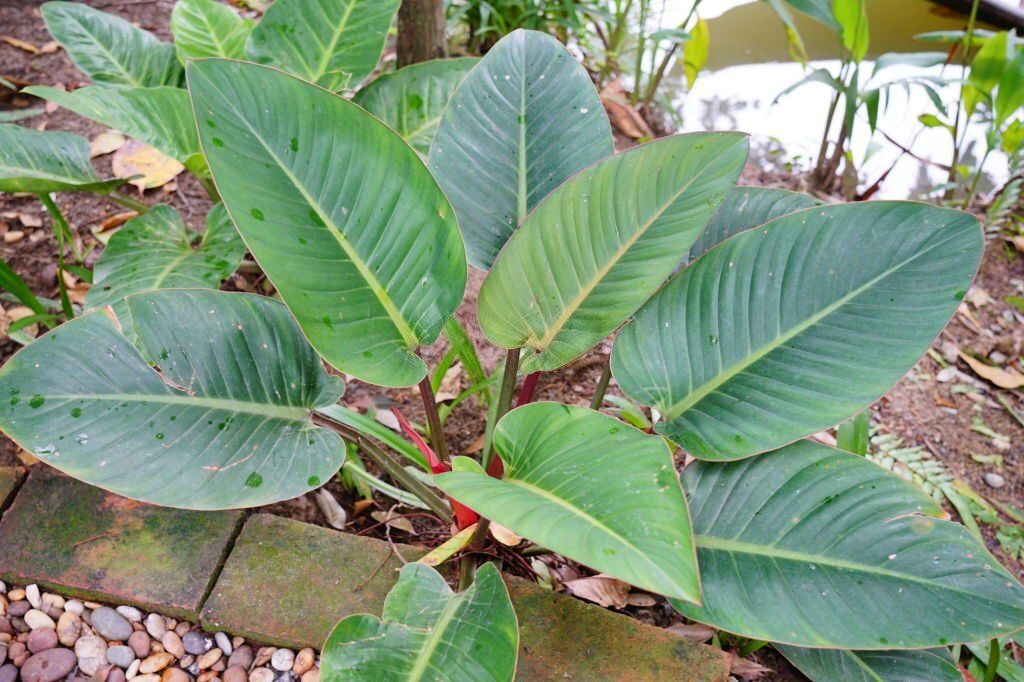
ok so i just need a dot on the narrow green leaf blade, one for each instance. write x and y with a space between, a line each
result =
333 43
207 28
224 423
816 547
778 332
825 665
746 208
340 213
412 99
110 50
160 117
525 119
41 162
429 632
155 251
585 485
602 243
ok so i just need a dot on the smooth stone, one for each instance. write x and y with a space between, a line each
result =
282 660
116 675
69 628
148 677
8 673
131 613
174 675
304 661
156 626
994 480
285 676
312 675
48 666
209 658
140 644
33 596
261 675
3 652
36 619
196 643
235 674
42 639
173 644
242 657
18 609
74 606
121 656
156 662
111 624
91 652
133 669
223 642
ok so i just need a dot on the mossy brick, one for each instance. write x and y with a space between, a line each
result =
10 478
288 583
87 542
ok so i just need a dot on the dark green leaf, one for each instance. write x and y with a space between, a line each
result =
826 665
207 28
41 162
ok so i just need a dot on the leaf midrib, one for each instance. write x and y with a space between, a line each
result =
436 635
325 58
226 404
103 48
678 408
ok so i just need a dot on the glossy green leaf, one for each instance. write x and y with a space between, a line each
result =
412 100
160 117
852 16
156 251
821 10
816 547
826 665
333 43
796 326
429 632
222 421
585 485
524 119
746 208
41 162
1010 95
695 51
207 28
339 211
602 243
108 49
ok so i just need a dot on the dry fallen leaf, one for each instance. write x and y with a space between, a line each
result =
13 236
26 219
331 508
154 167
20 44
698 632
600 589
504 535
49 48
622 115
641 599
109 225
978 297
388 519
746 669
105 143
1004 378
388 419
359 506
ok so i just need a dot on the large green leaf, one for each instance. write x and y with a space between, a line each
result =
207 28
429 632
412 100
826 665
796 326
524 119
746 208
592 252
820 10
812 546
110 50
160 117
585 485
339 211
333 43
42 162
155 251
223 421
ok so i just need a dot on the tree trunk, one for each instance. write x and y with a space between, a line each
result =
421 31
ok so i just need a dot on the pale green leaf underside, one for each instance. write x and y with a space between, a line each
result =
160 117
207 28
598 246
746 208
797 325
412 99
826 665
333 43
590 487
155 251
224 423
525 119
815 547
340 213
429 632
108 49
41 162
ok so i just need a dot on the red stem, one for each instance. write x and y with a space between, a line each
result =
526 392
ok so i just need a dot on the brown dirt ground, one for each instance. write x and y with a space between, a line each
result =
920 409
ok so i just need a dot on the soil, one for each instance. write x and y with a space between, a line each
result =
920 409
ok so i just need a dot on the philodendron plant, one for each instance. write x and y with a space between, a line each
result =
747 319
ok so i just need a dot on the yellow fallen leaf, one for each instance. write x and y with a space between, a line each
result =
105 143
504 535
154 168
1004 378
20 44
445 550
